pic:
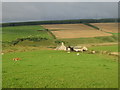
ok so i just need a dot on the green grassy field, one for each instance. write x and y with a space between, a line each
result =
13 33
111 48
43 68
58 69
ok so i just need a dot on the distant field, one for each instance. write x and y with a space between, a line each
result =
67 27
74 31
13 33
10 34
108 27
58 69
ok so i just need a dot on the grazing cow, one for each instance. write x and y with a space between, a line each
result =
16 59
93 52
68 52
78 54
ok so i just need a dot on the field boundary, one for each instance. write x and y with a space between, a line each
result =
50 33
95 27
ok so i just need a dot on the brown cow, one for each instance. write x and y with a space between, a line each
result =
16 59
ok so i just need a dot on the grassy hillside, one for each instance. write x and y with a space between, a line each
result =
13 33
57 69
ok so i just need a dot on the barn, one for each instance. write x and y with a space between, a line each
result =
61 47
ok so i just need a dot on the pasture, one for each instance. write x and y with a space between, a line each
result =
74 31
110 48
43 67
58 69
13 33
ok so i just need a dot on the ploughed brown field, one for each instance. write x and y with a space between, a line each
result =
107 27
74 31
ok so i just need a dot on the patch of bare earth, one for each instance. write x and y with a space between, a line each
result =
74 31
107 27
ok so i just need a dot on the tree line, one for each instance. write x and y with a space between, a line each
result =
60 22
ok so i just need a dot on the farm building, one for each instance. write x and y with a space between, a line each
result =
61 47
77 48
71 48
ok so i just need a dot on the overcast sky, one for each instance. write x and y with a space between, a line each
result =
39 11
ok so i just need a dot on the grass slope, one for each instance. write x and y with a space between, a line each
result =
13 33
57 69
